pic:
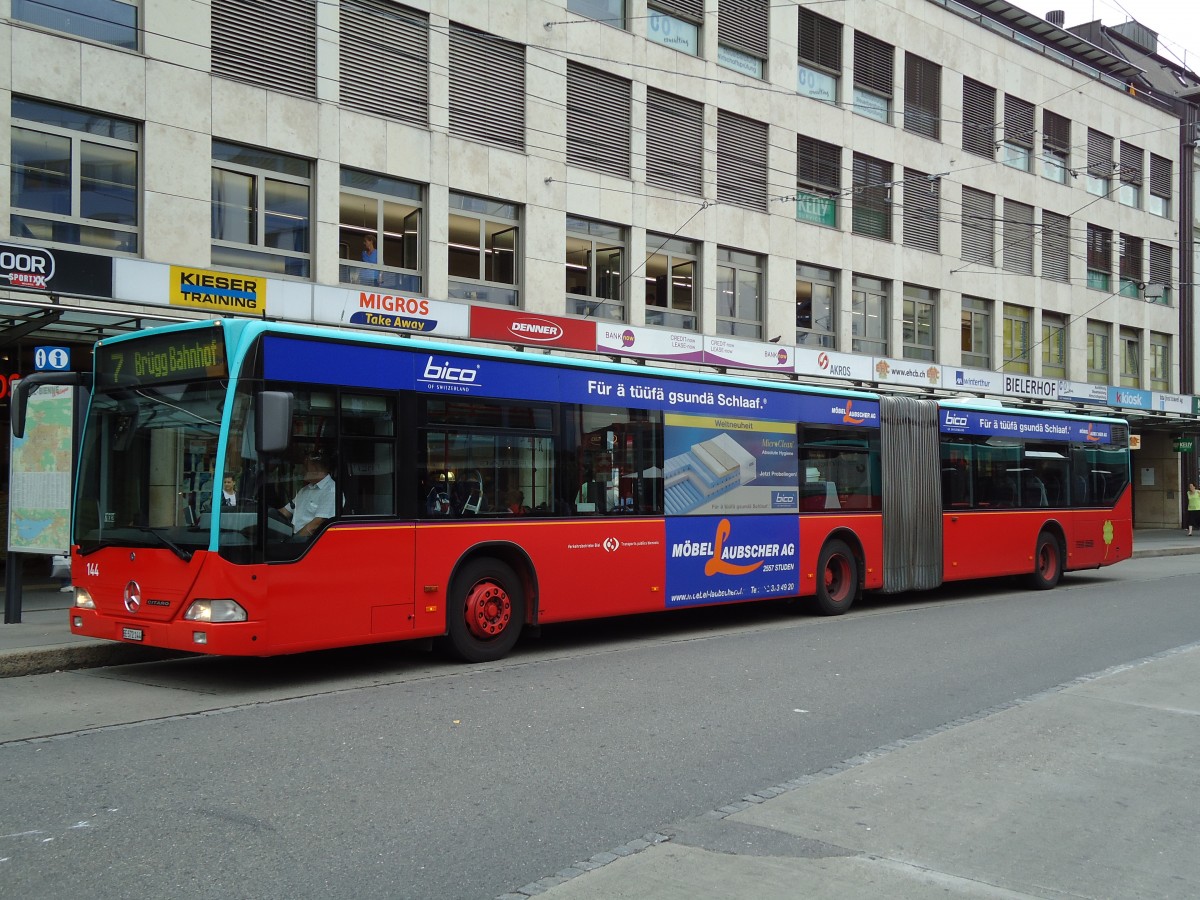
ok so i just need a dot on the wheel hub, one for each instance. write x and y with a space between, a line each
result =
488 610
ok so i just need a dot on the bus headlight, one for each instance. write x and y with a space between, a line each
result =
215 611
83 599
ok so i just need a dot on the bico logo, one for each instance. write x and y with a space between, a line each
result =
955 420
445 372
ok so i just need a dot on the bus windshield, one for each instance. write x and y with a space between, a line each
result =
147 466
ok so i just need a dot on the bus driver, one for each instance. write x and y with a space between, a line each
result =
316 501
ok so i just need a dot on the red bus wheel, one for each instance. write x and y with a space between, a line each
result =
1047 562
486 611
837 578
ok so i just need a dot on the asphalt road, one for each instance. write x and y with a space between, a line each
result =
385 772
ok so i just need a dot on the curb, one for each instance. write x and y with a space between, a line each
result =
64 657
1166 551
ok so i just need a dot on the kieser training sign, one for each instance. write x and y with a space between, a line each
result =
218 292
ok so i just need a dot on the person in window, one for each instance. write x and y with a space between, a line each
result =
516 503
316 501
370 254
228 499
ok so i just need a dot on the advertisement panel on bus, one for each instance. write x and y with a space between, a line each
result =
433 372
1005 423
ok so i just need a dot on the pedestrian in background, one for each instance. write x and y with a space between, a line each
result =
1193 510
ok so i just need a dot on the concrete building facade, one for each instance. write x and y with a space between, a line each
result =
926 194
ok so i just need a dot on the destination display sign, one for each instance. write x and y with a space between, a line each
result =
160 359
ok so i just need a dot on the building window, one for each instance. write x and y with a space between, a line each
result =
978 227
1056 246
674 142
1129 191
1160 186
741 161
744 36
874 65
274 49
392 79
1016 338
872 206
676 24
1017 147
979 118
869 316
820 65
1054 345
1018 238
381 232
595 258
73 177
816 306
976 333
484 246
1098 352
109 21
1130 266
1131 358
739 293
922 213
1158 290
487 88
261 210
1099 162
671 265
1056 146
920 322
1160 361
818 181
599 120
1099 257
611 12
922 96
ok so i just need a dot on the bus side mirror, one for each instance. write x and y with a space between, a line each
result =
273 412
23 387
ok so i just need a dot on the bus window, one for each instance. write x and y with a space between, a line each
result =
957 459
618 461
368 446
476 456
841 469
1048 481
1100 474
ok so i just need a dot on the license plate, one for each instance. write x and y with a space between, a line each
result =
132 634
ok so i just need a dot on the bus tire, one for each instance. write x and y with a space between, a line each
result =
837 578
1047 562
486 611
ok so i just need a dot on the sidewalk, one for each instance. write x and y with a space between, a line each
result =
1088 790
43 642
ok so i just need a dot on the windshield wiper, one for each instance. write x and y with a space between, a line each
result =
185 555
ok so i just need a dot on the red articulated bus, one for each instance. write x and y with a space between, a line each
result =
256 488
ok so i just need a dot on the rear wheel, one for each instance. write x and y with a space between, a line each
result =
1047 562
837 578
487 610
